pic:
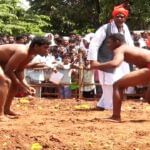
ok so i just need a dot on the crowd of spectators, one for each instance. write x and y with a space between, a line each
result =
141 39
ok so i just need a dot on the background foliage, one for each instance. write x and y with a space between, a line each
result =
15 20
65 16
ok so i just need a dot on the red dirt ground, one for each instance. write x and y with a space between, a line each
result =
54 124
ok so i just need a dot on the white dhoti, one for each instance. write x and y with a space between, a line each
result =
106 80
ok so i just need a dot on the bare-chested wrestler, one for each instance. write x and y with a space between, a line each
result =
134 55
13 61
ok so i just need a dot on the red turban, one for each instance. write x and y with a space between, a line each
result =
120 10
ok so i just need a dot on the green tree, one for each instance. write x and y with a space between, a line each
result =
140 18
15 20
86 15
68 15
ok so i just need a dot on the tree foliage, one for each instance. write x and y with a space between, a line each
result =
140 18
64 16
67 15
15 20
85 15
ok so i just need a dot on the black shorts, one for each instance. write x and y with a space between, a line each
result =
88 94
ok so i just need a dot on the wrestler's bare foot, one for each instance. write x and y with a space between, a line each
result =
114 119
11 113
3 118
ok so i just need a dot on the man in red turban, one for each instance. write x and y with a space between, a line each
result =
120 10
99 52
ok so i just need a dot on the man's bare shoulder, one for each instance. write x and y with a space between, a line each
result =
124 46
22 48
134 49
121 48
15 47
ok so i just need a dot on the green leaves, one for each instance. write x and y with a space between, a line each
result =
65 16
15 20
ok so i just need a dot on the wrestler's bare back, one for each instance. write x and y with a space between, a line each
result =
8 50
135 55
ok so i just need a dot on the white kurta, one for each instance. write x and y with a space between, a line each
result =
40 75
107 79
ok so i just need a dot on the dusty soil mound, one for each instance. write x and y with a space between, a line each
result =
50 124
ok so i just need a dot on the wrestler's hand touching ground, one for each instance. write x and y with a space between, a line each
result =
29 90
32 91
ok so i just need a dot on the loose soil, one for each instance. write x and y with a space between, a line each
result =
54 124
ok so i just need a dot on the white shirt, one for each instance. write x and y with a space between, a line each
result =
88 79
100 36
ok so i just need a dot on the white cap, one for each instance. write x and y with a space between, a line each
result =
88 37
66 38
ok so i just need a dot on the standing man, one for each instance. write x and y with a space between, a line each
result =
98 51
13 60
